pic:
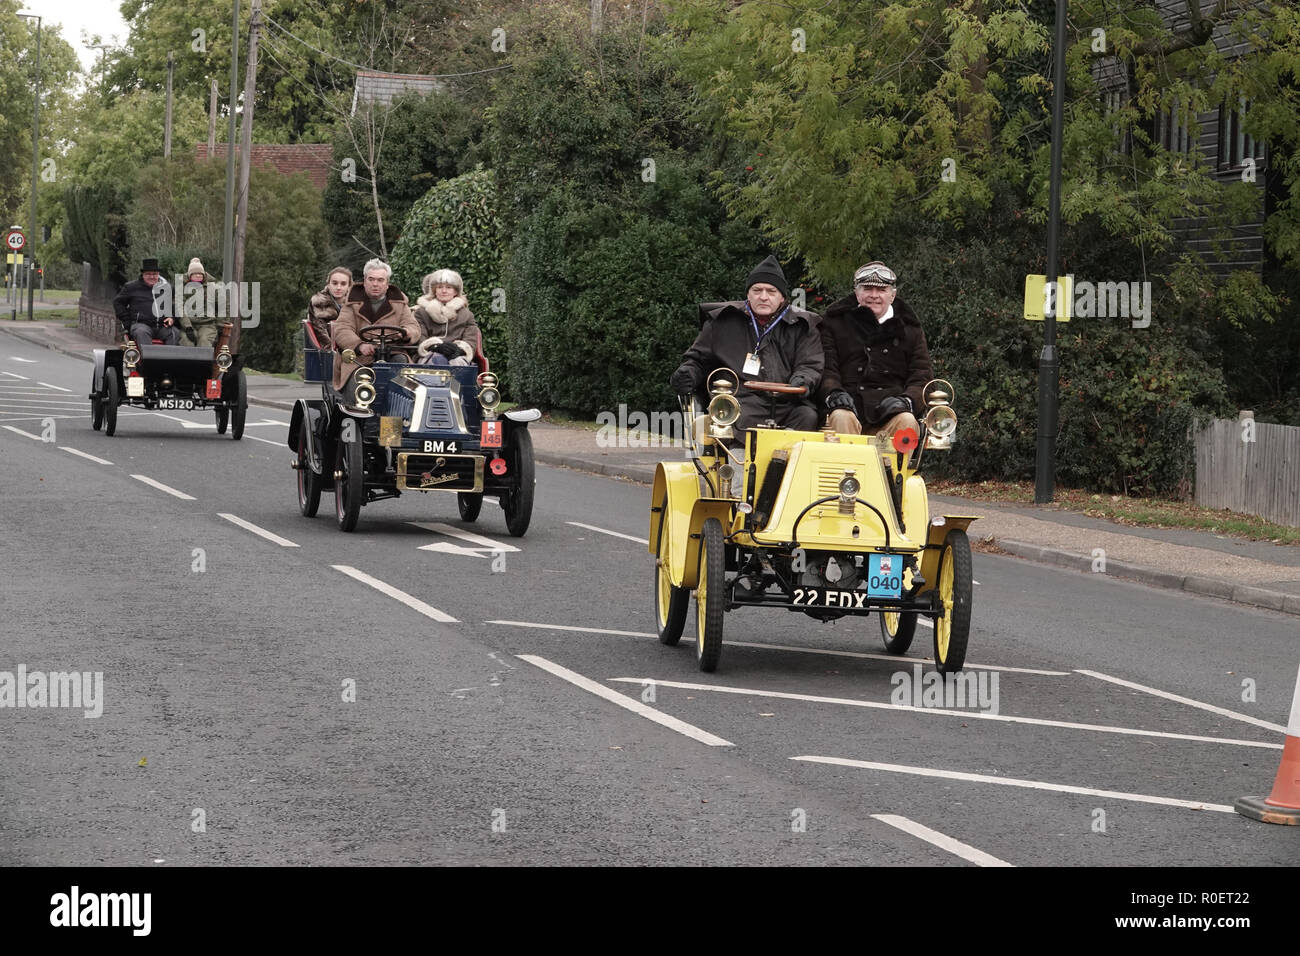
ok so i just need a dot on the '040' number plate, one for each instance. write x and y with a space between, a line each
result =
183 404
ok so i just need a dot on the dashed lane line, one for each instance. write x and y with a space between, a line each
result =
261 532
161 487
1015 782
16 375
413 603
614 697
941 840
892 658
1221 711
267 441
941 712
82 454
57 388
613 534
19 431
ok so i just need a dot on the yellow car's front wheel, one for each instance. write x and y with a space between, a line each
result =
709 596
671 602
952 630
897 628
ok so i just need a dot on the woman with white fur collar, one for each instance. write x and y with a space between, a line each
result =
450 334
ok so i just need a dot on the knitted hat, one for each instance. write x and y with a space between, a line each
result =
442 277
195 266
769 271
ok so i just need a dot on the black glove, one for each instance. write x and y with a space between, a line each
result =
192 334
799 381
684 381
447 350
840 399
892 405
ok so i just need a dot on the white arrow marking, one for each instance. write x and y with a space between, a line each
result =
482 547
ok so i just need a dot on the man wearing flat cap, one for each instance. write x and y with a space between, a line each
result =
144 307
877 361
760 338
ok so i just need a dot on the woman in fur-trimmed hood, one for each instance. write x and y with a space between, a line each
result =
451 335
326 304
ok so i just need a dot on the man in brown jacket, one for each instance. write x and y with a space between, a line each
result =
372 301
877 361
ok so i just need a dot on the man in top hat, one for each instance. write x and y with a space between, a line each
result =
877 361
760 338
143 306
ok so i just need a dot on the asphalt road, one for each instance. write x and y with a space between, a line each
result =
228 657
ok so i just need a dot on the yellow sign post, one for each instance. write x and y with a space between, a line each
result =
1036 298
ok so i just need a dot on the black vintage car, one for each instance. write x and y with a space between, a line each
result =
169 377
396 426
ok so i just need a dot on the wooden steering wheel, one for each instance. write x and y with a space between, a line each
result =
777 388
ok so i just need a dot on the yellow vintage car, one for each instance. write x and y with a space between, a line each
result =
830 525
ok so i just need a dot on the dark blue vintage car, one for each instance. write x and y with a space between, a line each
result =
395 426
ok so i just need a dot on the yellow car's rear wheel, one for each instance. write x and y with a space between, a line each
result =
709 596
671 602
952 630
897 628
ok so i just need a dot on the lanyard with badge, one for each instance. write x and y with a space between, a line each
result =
752 364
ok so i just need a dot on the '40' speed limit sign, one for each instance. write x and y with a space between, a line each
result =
15 241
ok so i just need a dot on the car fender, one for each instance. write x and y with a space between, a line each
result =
97 379
675 500
935 535
307 413
522 416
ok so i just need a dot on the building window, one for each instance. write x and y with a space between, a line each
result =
1235 144
1112 103
1170 129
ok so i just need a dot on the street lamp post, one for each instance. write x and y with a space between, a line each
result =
101 47
36 128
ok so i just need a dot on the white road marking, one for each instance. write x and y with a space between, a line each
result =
266 441
926 622
161 487
482 547
1015 782
16 375
973 581
27 361
569 627
80 403
57 388
615 534
964 714
942 841
93 458
1185 700
614 697
893 658
262 532
414 603
19 431
38 418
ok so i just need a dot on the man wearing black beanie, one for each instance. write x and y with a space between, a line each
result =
760 338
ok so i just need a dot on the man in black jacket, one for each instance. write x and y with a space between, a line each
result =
761 338
877 360
144 307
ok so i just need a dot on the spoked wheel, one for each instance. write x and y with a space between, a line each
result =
240 411
309 483
470 504
670 601
112 395
709 596
96 408
223 420
953 629
519 505
897 628
350 485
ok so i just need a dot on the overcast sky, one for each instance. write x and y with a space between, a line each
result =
75 16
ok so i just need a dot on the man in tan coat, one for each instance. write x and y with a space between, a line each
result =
372 301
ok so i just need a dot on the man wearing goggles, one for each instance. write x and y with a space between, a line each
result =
877 360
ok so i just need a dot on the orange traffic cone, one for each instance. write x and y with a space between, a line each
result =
1283 804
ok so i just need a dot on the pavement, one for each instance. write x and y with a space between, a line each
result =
1253 573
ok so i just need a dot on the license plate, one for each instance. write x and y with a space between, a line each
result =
885 575
491 435
135 387
213 388
829 597
181 404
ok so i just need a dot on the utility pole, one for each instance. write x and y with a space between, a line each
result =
1049 363
245 155
101 47
167 128
212 120
36 127
227 232
596 6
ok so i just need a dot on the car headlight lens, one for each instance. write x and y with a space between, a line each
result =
224 360
131 356
849 486
489 398
364 394
724 409
941 421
